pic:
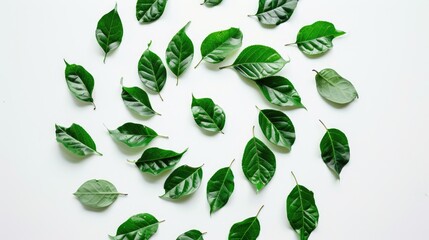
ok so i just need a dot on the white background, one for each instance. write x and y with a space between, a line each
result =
383 193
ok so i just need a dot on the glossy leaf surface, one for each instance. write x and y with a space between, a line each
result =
80 82
335 88
97 194
191 235
277 128
275 12
335 150
152 71
211 3
207 114
247 229
183 181
279 91
220 188
138 101
150 10
76 140
109 32
134 135
138 227
156 160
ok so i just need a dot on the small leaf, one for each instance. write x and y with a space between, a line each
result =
156 160
134 135
277 128
302 211
207 114
257 61
76 140
138 227
80 82
183 181
191 235
275 12
247 229
220 188
109 32
180 52
150 10
138 101
335 88
211 3
219 45
279 91
97 194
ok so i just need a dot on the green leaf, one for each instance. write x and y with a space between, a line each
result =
150 10
183 181
277 128
275 12
180 52
156 160
302 211
134 135
80 82
207 114
257 61
247 229
335 149
211 3
316 39
138 227
259 163
152 71
97 194
219 45
279 91
76 140
138 101
335 88
191 235
109 32
220 188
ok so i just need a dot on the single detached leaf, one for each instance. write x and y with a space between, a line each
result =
80 82
156 160
152 71
275 12
138 101
279 91
219 45
220 188
247 229
150 10
183 181
277 128
180 52
335 88
134 135
302 211
259 163
207 114
211 3
316 38
109 32
138 227
257 61
97 194
191 235
76 140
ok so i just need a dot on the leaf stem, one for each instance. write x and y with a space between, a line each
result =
315 71
163 136
67 64
290 44
259 211
177 80
95 107
122 81
225 67
99 153
203 233
161 221
105 56
233 160
162 99
149 44
251 15
257 108
131 161
253 131
296 181
221 131
198 64
323 124
157 113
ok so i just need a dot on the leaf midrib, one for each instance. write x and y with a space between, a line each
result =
222 185
247 230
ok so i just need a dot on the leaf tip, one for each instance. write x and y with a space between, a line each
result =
67 64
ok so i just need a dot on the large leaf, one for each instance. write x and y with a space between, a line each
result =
150 10
156 160
218 45
257 61
134 135
277 128
335 88
80 82
97 194
207 114
275 12
191 235
302 211
220 188
335 150
247 229
138 227
316 38
137 100
279 91
183 181
259 163
109 32
180 52
152 71
76 140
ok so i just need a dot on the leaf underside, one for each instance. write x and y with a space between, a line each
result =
335 88
97 194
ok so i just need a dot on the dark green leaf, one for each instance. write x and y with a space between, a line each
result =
277 128
109 32
207 114
220 188
279 91
183 181
211 3
80 82
150 10
275 12
257 61
138 227
137 100
191 235
335 88
76 140
97 194
302 211
157 160
134 135
247 229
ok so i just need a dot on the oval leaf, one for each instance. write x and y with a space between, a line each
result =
133 134
76 140
335 150
279 91
277 128
220 188
156 160
138 227
275 12
97 194
207 114
257 61
211 3
138 101
80 82
247 229
191 235
183 181
109 32
150 10
335 88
